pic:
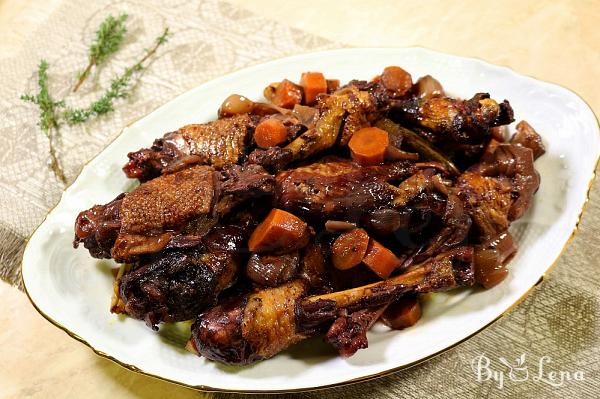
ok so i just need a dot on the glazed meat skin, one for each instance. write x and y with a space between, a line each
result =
98 227
500 188
460 121
176 286
217 143
151 213
338 189
345 111
261 324
251 328
172 211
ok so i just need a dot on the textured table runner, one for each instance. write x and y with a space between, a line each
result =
557 326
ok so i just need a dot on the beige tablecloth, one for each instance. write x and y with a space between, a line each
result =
559 320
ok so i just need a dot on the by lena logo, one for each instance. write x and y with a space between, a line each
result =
519 371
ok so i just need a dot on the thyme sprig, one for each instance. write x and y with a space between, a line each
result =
48 116
109 38
119 88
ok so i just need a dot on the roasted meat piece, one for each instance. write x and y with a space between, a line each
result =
172 211
488 200
216 143
451 120
259 325
176 286
346 110
250 328
338 189
98 227
348 333
499 189
152 212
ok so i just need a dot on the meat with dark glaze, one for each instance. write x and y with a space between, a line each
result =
216 143
338 189
449 119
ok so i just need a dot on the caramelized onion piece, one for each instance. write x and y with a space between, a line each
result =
386 221
397 80
393 153
491 258
269 91
306 115
427 87
235 104
273 270
335 226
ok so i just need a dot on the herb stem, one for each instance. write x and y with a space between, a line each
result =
119 88
109 38
84 75
48 116
54 163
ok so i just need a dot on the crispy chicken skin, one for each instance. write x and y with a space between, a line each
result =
216 143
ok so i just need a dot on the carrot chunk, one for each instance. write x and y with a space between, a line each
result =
313 83
380 259
403 313
349 249
368 145
287 94
280 232
396 79
270 132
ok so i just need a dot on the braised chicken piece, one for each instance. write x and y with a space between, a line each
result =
500 188
338 189
217 143
448 119
350 105
172 210
260 325
176 286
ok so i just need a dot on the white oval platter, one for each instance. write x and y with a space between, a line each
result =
73 291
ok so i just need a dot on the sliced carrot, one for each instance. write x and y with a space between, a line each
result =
287 94
380 259
270 132
313 83
403 313
349 249
368 145
280 232
396 79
